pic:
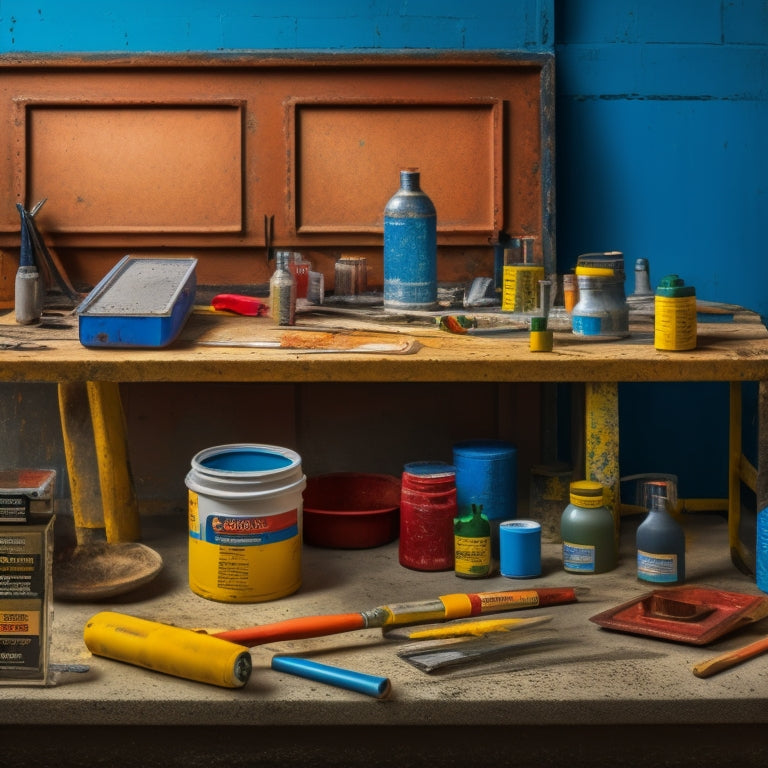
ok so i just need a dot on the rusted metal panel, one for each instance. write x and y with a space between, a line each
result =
191 152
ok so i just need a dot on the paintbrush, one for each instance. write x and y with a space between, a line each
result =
445 607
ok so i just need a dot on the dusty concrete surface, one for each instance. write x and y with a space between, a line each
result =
592 696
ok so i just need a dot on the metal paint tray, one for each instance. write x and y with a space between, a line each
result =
141 302
695 615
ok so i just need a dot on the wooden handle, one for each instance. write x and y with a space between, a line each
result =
730 659
295 629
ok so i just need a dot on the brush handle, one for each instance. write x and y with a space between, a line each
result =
295 629
370 685
730 659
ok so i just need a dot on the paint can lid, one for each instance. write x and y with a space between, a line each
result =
674 287
430 469
484 449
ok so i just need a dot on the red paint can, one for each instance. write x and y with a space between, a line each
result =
427 509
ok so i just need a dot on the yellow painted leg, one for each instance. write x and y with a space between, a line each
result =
121 515
79 450
601 439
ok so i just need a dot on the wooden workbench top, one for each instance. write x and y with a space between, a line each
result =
726 351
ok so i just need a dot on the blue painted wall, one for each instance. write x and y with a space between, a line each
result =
200 25
662 114
662 118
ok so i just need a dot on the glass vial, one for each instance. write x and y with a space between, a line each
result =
587 530
410 246
282 291
660 539
472 541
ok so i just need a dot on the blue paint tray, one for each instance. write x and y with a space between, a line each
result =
141 302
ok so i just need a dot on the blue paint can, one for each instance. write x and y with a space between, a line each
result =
410 247
520 549
486 473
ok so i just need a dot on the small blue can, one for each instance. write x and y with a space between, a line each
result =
520 548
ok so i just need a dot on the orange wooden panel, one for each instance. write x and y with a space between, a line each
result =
134 167
348 158
190 152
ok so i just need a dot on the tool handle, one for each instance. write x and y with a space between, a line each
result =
730 659
295 629
239 304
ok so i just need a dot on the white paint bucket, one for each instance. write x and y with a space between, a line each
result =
245 520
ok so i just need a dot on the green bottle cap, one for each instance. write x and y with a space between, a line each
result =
674 287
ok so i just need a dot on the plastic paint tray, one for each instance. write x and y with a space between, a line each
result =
141 302
694 615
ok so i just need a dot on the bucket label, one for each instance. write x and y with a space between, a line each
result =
241 531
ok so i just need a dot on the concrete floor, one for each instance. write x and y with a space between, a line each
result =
593 697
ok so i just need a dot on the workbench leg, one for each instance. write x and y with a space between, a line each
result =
82 468
761 484
121 511
95 445
738 553
601 441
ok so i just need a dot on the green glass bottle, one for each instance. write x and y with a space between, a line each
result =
588 531
472 544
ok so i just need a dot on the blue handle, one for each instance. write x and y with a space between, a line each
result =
370 685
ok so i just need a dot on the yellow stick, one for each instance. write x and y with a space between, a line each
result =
476 628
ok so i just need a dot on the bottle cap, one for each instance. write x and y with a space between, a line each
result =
674 287
587 493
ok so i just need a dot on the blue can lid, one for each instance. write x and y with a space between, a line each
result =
430 468
487 449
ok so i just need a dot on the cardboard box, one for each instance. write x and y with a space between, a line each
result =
24 492
26 601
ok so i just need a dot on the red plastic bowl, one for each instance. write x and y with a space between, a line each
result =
351 510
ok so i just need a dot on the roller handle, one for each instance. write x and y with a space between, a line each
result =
295 629
730 659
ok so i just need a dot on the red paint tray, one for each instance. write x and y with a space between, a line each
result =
694 615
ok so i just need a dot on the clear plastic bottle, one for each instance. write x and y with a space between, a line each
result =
762 550
660 539
588 531
282 291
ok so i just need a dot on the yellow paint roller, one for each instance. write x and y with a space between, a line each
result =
172 650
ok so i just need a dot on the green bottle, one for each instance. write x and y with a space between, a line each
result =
472 544
587 530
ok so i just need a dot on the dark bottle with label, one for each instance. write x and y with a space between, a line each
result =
660 540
